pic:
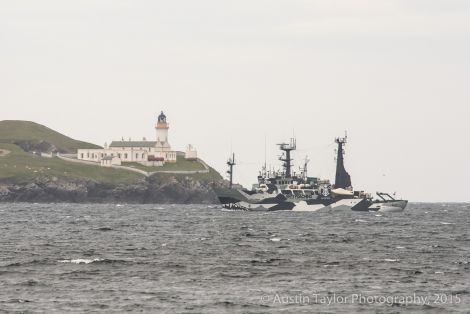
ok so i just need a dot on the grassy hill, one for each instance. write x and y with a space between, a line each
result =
19 166
32 136
18 139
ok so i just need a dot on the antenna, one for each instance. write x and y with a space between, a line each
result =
231 163
342 140
265 150
264 167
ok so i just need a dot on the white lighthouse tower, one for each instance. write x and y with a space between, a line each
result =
162 130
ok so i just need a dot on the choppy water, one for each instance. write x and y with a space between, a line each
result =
152 258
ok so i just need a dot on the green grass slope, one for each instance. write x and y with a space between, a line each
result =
20 166
17 164
33 136
181 164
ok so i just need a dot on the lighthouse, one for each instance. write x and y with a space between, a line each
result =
148 153
162 130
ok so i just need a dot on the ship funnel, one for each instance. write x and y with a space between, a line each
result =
343 179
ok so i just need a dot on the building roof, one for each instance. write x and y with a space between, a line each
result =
132 144
162 117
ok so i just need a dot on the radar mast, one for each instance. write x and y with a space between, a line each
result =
286 156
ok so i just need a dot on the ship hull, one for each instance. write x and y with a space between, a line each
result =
389 206
237 200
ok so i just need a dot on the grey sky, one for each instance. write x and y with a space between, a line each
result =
394 73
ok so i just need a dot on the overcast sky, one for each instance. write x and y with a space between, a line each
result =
228 74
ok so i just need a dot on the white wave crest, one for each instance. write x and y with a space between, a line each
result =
80 260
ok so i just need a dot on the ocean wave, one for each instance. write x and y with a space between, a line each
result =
92 261
237 274
18 301
270 262
80 260
104 229
25 263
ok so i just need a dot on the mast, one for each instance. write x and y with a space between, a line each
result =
263 174
231 163
286 157
343 179
303 170
264 170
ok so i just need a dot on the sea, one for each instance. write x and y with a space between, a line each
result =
86 258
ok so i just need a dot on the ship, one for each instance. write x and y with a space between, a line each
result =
287 190
386 202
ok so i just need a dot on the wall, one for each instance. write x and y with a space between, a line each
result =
127 155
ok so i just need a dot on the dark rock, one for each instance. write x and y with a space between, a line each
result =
39 147
168 189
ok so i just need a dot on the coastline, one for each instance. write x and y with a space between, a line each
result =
174 189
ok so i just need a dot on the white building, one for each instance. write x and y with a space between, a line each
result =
191 153
149 153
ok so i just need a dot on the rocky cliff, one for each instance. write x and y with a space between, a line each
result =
175 189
